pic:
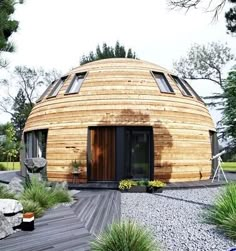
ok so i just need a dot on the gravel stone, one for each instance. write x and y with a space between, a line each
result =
175 218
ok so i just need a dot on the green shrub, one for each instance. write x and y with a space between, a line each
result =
60 195
127 184
32 206
142 182
5 193
124 236
156 183
2 167
223 211
45 196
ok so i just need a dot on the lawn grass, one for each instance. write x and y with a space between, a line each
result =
229 166
9 166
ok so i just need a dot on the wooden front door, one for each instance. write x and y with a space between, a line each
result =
102 154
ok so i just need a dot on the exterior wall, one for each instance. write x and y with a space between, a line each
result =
123 92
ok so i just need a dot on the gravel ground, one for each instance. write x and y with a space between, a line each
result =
174 217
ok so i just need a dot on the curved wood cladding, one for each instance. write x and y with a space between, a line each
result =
123 92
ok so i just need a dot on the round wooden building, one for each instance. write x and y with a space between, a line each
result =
122 118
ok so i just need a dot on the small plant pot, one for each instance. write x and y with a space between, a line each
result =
154 189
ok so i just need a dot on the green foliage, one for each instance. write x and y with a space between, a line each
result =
32 206
156 183
229 114
223 211
45 196
230 16
10 165
5 193
118 51
2 167
21 110
127 184
7 27
142 182
125 236
76 164
229 166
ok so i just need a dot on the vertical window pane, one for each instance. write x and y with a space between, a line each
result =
76 83
184 90
162 82
57 87
192 90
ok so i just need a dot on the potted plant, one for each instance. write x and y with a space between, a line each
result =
76 165
126 185
155 186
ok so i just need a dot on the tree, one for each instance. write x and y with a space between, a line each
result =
30 81
7 27
21 110
118 51
229 114
230 15
206 62
10 147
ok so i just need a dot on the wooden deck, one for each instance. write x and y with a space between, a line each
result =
69 228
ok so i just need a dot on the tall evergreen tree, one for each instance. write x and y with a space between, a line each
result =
21 110
7 27
118 51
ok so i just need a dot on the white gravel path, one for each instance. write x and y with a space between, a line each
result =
174 217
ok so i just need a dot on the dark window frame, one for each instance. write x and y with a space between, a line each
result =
183 89
46 91
60 81
193 91
84 74
165 80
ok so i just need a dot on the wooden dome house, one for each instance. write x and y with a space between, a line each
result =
122 118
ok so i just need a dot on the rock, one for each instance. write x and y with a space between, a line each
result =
5 227
16 185
73 192
10 206
37 176
63 185
15 220
35 165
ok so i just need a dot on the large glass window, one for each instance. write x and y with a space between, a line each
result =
76 83
181 85
35 144
162 82
55 90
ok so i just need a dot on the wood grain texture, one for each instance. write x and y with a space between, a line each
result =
123 92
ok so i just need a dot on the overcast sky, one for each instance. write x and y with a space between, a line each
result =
56 33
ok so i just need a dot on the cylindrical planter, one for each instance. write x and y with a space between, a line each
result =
28 222
154 189
135 189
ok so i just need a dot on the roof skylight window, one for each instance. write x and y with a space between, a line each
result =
162 82
76 83
57 87
181 85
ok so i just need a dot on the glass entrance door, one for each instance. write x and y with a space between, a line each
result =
138 153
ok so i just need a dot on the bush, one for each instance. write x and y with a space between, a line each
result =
45 196
124 236
223 211
127 184
32 206
2 167
5 193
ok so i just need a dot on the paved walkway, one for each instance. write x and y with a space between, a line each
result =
69 228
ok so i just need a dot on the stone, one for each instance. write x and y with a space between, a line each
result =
15 220
5 227
37 176
16 185
35 165
10 206
63 185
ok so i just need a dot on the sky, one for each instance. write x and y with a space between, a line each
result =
55 34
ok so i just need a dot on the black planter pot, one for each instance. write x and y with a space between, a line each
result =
154 189
135 189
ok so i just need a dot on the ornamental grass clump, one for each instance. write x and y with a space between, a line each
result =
32 206
125 236
5 193
223 211
38 193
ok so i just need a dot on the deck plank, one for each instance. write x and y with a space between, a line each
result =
69 228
